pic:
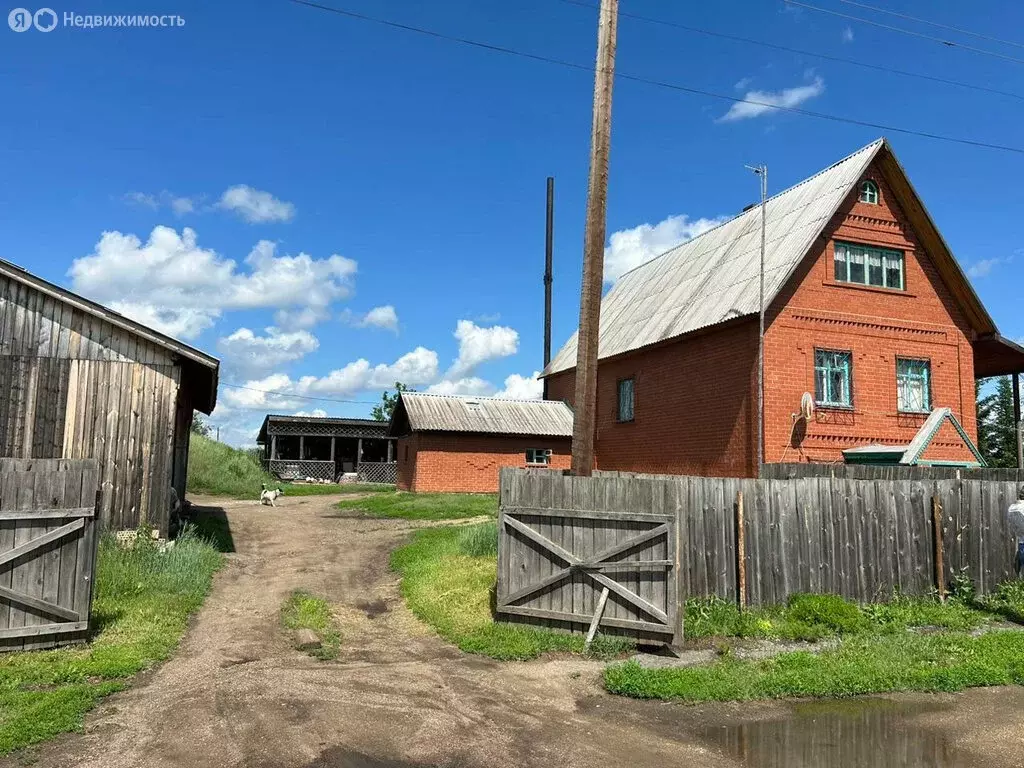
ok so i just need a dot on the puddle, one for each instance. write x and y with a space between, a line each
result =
865 733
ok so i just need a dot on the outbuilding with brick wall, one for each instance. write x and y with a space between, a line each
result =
449 443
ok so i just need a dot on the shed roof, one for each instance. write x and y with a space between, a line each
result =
714 277
320 425
203 369
424 412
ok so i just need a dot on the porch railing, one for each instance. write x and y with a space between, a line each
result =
377 472
296 469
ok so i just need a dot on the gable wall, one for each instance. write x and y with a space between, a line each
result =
76 386
947 445
876 325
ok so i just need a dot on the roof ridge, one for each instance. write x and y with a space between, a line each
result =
744 212
453 396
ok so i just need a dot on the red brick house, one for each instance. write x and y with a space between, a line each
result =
458 444
867 311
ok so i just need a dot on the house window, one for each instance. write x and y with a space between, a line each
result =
833 378
869 266
869 192
913 385
625 396
538 456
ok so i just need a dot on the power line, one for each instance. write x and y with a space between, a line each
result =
912 33
658 83
908 17
799 52
300 397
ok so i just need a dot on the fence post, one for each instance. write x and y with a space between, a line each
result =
940 580
741 554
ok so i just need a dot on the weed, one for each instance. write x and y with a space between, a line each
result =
303 610
479 540
829 613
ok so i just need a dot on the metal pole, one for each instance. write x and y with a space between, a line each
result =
549 240
593 246
762 171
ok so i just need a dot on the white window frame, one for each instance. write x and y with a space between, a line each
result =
868 192
924 375
852 253
825 360
538 457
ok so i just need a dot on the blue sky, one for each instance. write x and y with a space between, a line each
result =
270 165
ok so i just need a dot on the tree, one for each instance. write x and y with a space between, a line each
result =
997 437
200 426
386 408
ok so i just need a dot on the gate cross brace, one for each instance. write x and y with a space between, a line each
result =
590 566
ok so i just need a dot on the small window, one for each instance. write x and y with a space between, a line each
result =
879 267
538 456
869 192
625 397
833 378
913 385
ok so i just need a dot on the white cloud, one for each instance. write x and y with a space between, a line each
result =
316 413
757 103
471 385
178 205
847 35
742 83
180 288
523 387
295 319
984 267
251 355
379 317
254 205
629 248
478 345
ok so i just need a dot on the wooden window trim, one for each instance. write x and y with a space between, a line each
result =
929 380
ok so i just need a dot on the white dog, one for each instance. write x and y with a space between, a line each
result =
267 496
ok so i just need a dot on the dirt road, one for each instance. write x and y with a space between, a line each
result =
237 694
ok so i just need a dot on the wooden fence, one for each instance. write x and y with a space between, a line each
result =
752 541
794 471
48 542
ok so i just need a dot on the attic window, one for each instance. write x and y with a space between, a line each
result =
869 192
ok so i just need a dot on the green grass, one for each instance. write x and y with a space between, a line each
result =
425 506
814 617
452 592
480 540
217 469
141 608
303 610
862 664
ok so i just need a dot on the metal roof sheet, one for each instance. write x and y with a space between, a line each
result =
715 277
458 413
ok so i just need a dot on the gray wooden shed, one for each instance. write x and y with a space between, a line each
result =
81 381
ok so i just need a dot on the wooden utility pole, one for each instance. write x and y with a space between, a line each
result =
549 244
593 245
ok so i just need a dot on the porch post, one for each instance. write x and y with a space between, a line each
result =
332 447
273 447
359 452
391 445
302 447
1016 420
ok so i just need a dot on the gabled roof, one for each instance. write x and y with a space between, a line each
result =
911 453
321 425
204 369
423 412
714 277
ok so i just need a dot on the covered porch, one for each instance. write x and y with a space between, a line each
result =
995 355
328 449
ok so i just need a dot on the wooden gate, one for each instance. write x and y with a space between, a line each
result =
576 568
48 542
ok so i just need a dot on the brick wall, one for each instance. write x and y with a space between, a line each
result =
876 325
694 410
947 445
460 463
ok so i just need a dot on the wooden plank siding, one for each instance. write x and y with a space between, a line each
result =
80 387
867 540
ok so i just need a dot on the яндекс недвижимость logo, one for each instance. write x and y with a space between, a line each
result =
22 19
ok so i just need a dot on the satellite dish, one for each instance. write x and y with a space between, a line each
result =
806 406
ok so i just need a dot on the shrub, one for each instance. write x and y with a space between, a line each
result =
829 612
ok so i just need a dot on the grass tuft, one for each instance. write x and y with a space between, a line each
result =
425 506
141 608
452 591
480 540
303 610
